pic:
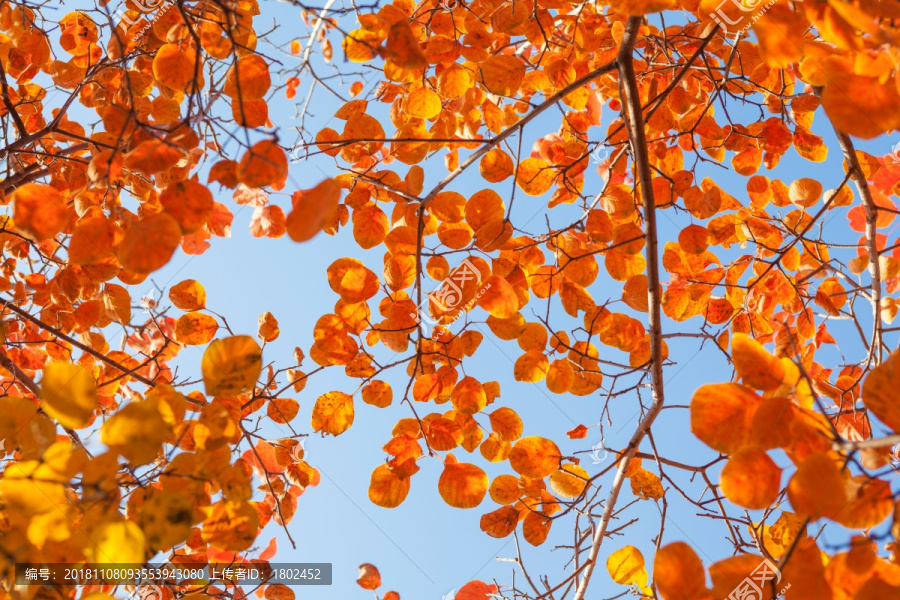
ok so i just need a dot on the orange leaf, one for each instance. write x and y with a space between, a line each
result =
756 367
751 479
423 103
149 243
195 329
154 156
502 74
370 226
476 590
498 297
175 65
454 82
333 413
506 423
468 396
817 488
402 48
501 522
312 209
534 457
678 573
535 176
722 416
579 433
188 295
386 488
369 577
496 165
248 78
879 392
279 591
189 203
282 410
531 367
263 164
39 211
462 485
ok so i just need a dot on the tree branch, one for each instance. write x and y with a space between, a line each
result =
862 186
631 106
84 348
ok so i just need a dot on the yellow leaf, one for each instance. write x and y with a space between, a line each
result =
231 365
195 329
646 485
188 295
423 103
333 413
626 566
230 526
569 481
136 432
166 518
69 394
120 543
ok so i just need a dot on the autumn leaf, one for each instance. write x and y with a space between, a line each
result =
231 365
333 413
534 457
311 210
39 211
462 485
69 394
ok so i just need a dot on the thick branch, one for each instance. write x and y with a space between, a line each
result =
862 186
631 106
